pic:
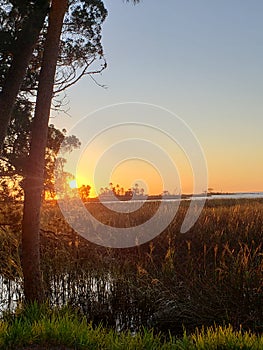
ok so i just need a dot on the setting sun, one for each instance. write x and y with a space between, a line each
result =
73 184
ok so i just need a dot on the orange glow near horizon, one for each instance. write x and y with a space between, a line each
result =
131 172
135 154
126 175
224 176
229 170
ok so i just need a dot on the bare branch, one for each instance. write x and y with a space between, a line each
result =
100 85
84 72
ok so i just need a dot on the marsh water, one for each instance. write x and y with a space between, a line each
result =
100 299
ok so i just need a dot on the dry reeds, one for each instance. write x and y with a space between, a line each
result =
213 273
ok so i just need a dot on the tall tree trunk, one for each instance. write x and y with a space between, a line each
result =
33 286
24 45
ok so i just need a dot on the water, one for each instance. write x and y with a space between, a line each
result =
100 298
11 293
236 195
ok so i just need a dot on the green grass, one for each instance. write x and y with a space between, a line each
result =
47 327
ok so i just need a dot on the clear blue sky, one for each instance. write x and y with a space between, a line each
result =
202 60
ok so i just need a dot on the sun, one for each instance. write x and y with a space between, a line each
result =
73 184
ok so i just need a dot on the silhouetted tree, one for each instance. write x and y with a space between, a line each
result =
33 287
13 161
18 44
84 192
86 17
22 37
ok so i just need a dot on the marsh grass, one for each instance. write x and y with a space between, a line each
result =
10 265
211 274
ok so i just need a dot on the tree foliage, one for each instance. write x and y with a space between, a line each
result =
13 161
13 17
80 45
18 47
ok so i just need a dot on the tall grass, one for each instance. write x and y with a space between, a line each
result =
10 266
212 274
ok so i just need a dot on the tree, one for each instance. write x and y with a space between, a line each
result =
16 144
136 190
13 161
92 12
54 141
33 286
84 192
21 46
22 36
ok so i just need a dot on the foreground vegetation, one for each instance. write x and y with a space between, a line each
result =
48 329
211 275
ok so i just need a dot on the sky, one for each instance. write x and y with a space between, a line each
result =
175 68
